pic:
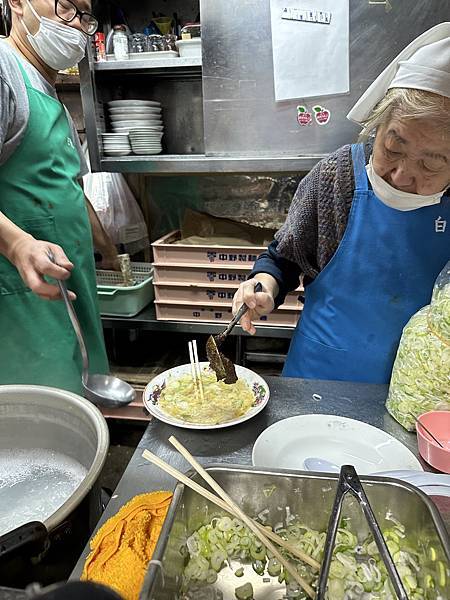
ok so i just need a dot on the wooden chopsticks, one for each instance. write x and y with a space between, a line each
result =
195 370
226 503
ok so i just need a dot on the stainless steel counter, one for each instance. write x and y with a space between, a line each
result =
289 397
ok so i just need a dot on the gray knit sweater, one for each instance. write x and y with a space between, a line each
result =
319 212
315 224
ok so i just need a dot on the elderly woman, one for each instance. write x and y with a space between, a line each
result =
369 227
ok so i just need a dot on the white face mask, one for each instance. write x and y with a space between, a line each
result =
59 46
396 198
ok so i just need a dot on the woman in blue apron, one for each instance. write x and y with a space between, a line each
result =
369 228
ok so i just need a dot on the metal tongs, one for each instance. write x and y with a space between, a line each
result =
350 482
220 364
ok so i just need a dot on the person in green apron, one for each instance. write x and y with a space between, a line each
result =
42 204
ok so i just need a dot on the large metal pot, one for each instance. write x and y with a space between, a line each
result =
53 419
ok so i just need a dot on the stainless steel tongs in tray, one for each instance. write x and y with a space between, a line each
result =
349 483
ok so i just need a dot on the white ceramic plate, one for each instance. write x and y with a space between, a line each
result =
124 114
135 116
138 133
143 134
115 135
118 152
155 140
146 152
133 103
147 142
122 128
117 128
131 123
126 129
115 145
153 391
143 150
134 110
117 148
146 128
287 443
136 119
148 135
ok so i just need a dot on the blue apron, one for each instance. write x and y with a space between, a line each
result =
381 274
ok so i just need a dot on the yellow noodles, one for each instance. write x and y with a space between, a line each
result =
221 403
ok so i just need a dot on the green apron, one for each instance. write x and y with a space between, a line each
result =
40 192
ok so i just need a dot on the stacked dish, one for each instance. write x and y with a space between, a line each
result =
116 144
146 140
130 114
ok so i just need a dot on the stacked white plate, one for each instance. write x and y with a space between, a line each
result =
116 144
145 140
130 114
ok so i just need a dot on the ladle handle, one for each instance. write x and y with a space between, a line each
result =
74 320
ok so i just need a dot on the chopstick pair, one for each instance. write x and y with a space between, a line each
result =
195 369
264 534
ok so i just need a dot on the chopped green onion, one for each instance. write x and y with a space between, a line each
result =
244 592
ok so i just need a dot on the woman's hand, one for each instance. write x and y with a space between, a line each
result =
30 257
259 303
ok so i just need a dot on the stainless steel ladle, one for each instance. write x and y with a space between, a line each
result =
103 390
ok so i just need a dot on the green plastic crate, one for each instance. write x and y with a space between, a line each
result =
116 300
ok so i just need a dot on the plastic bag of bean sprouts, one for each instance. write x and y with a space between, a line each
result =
421 375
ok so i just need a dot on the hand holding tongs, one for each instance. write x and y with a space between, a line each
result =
349 482
220 337
220 364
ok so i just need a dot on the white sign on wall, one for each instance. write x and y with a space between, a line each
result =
310 41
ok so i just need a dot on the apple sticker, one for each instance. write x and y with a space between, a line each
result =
321 115
303 116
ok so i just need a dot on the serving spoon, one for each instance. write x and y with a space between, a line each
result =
103 390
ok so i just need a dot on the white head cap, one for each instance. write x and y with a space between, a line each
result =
423 65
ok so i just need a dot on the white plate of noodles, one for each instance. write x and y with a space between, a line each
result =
174 398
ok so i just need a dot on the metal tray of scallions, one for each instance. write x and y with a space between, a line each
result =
204 554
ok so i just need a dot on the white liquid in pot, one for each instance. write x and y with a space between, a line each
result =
34 483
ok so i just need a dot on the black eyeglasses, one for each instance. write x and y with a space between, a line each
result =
67 11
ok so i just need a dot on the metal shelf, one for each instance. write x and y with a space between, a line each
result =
146 320
192 64
183 164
